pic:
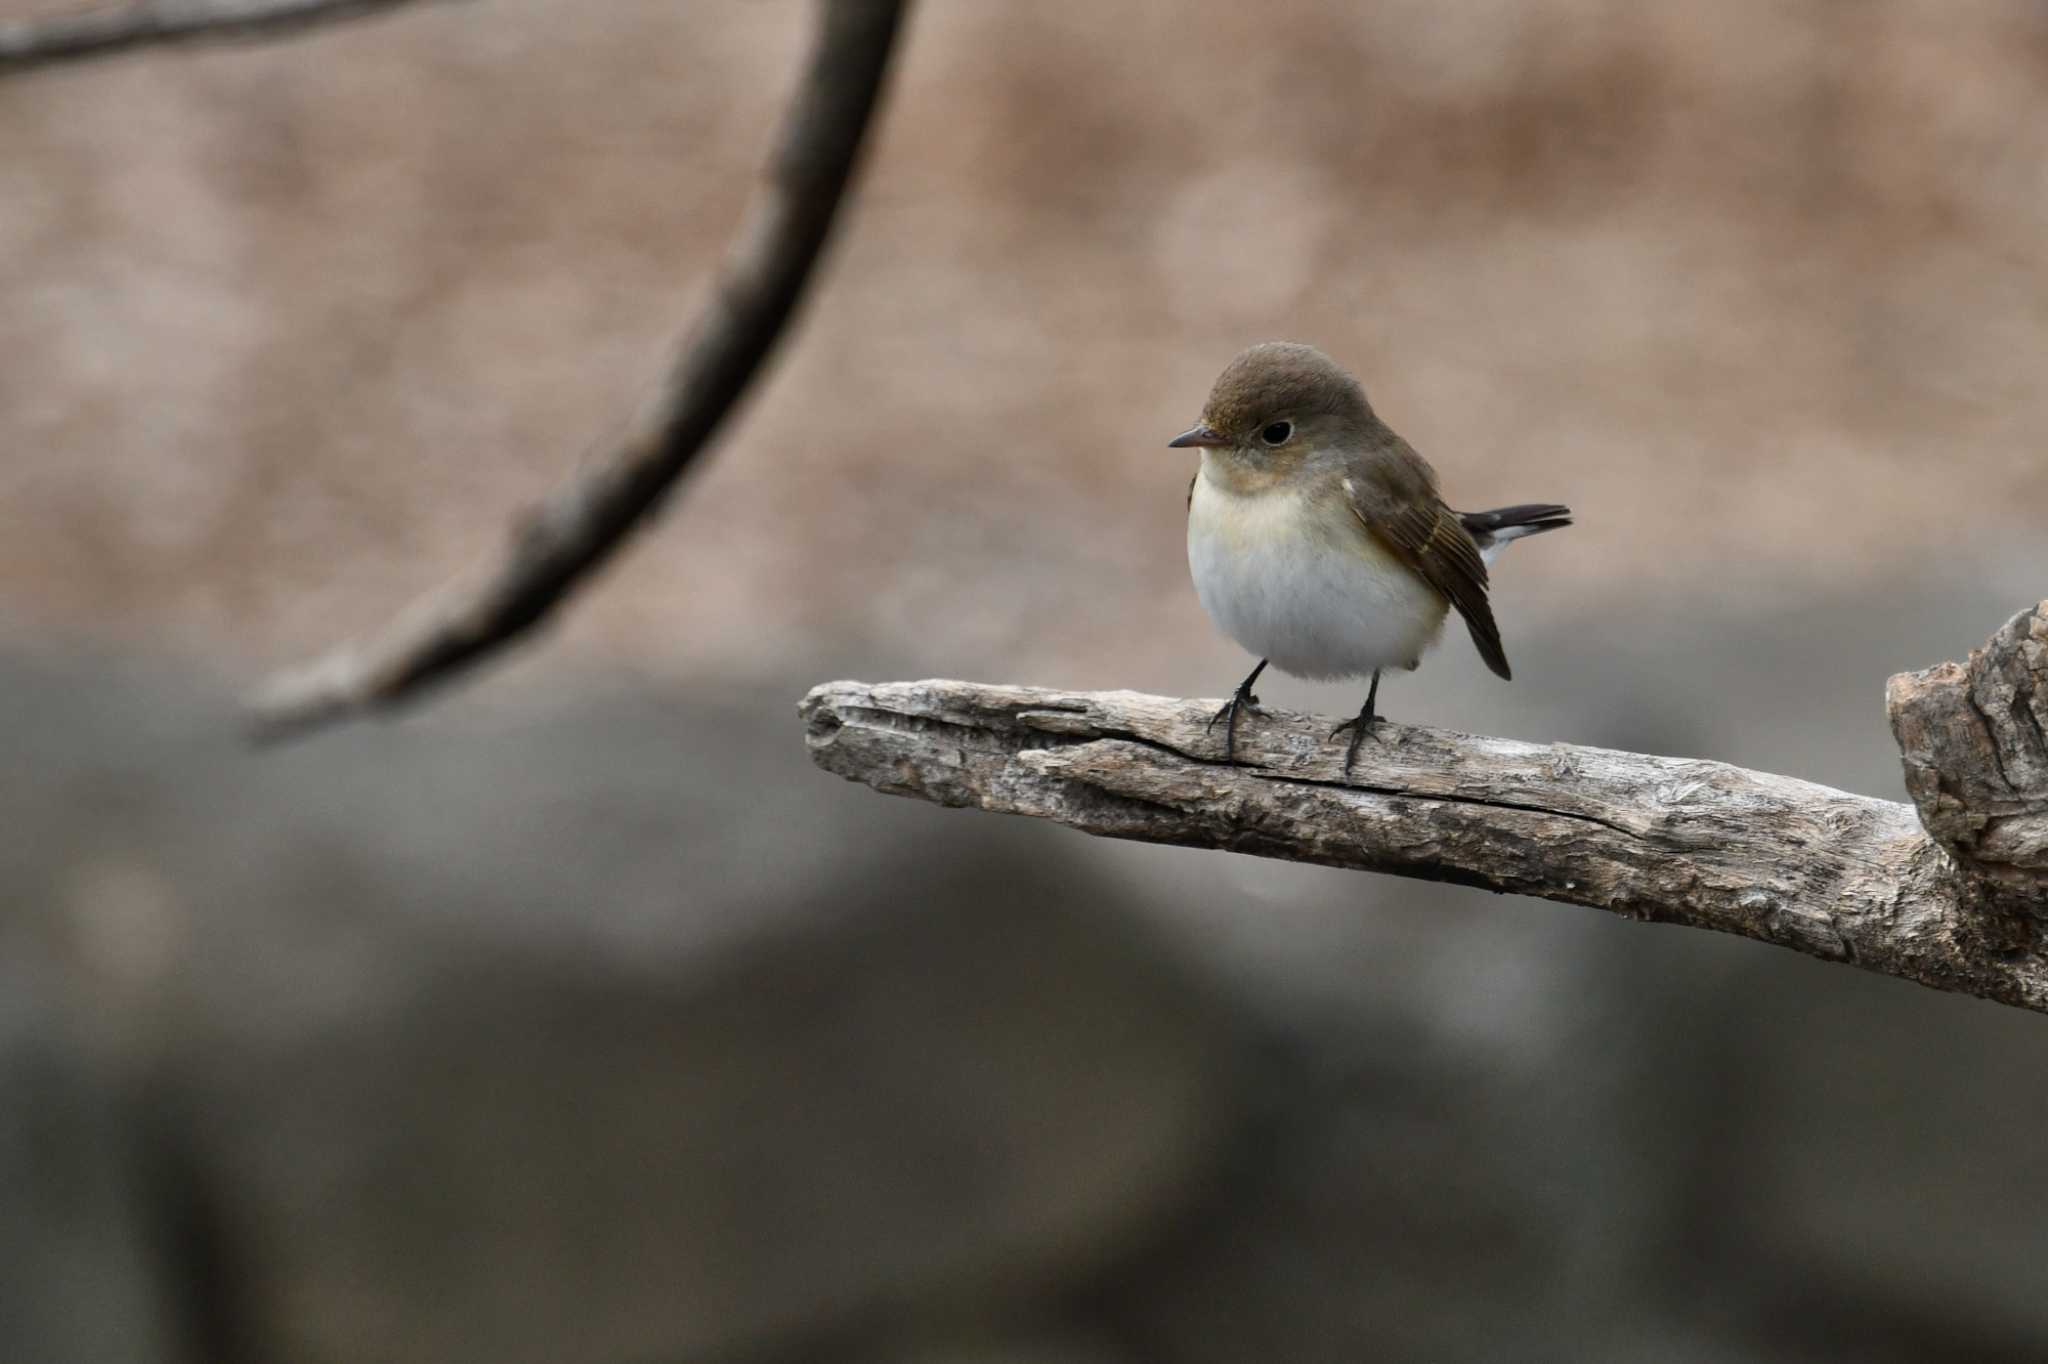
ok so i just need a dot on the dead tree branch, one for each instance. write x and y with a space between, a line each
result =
110 30
1975 740
1841 877
575 530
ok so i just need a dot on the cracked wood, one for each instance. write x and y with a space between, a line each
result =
1975 740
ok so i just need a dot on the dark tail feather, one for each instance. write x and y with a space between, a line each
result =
1531 518
1489 531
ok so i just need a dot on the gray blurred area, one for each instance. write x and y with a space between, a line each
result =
577 1018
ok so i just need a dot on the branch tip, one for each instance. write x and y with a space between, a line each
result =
559 544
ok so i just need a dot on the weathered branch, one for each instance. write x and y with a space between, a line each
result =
1975 740
562 541
109 30
1837 876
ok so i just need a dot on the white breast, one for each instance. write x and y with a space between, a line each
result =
1320 602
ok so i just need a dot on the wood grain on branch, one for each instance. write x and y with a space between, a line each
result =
108 30
1975 740
558 544
1842 877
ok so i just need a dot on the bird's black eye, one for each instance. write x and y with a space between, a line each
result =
1276 433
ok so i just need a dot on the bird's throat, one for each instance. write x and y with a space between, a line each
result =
1230 470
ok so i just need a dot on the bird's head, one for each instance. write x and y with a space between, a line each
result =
1276 405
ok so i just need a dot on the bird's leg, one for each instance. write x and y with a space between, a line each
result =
1361 726
1240 700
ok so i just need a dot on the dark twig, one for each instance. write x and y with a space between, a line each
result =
113 29
559 543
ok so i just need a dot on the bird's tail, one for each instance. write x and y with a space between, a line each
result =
1492 530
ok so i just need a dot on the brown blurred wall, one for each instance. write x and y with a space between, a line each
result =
291 330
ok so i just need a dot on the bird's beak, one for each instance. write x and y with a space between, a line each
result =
1204 436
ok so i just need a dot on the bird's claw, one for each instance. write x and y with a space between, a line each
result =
1227 710
1228 713
1362 727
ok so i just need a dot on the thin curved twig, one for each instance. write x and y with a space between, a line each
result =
557 544
110 30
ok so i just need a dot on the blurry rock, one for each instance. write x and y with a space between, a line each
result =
595 1025
1056 1347
1363 1217
588 1037
521 1156
77 1281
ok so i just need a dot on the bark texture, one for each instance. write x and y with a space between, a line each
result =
1975 740
1674 840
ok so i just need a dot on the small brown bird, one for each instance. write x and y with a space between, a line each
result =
1316 537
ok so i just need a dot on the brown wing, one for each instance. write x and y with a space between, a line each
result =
1423 533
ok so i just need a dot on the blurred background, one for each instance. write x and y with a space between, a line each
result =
576 1017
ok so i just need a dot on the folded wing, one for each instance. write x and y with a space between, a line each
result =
1396 501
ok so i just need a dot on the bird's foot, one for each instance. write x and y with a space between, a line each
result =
1227 713
1361 727
1229 709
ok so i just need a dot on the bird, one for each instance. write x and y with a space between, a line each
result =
1318 541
